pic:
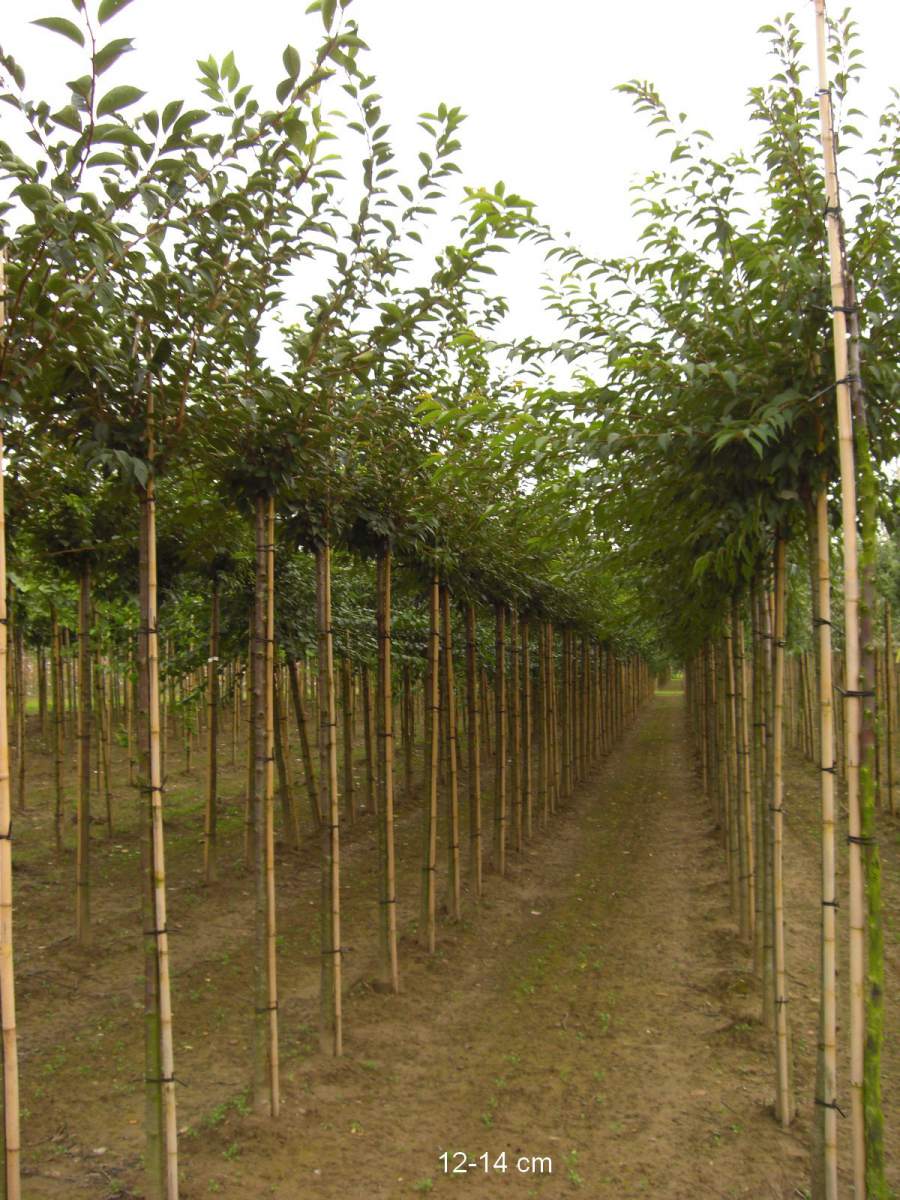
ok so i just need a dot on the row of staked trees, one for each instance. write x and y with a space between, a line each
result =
740 375
191 527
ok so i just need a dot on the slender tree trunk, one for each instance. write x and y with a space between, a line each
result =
309 774
876 1184
784 1104
56 683
429 865
372 803
889 705
11 1144
515 773
840 306
527 722
454 899
474 751
331 997
162 1061
212 745
347 723
500 797
83 812
825 1159
384 721
267 522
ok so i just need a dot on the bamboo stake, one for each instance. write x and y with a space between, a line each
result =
825 1178
527 722
212 700
839 301
166 1081
454 904
500 805
11 1142
889 705
305 750
368 741
83 811
429 866
331 998
784 1106
473 743
271 934
385 734
515 777
56 684
347 723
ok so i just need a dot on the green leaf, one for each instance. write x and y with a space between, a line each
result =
119 134
105 158
118 98
109 8
68 117
328 10
60 25
291 60
111 52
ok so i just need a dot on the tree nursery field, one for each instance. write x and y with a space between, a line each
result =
435 760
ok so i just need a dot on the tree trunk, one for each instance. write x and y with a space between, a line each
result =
331 1007
212 744
429 865
453 869
384 721
473 743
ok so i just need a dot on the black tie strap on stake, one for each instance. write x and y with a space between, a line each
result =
781 1000
162 1079
853 840
772 808
830 1104
830 904
268 1008
832 210
393 900
849 378
850 694
156 932
819 621
7 837
848 310
337 950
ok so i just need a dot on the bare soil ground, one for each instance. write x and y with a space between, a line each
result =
596 1012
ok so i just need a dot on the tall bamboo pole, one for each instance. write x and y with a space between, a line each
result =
432 702
473 746
11 1143
56 683
515 712
889 704
166 1081
784 1105
269 810
331 999
527 728
825 1178
212 700
385 736
83 812
839 300
500 773
454 905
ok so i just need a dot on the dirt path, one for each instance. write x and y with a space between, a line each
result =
592 1026
593 1014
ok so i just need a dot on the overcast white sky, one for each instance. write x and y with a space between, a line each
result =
536 79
